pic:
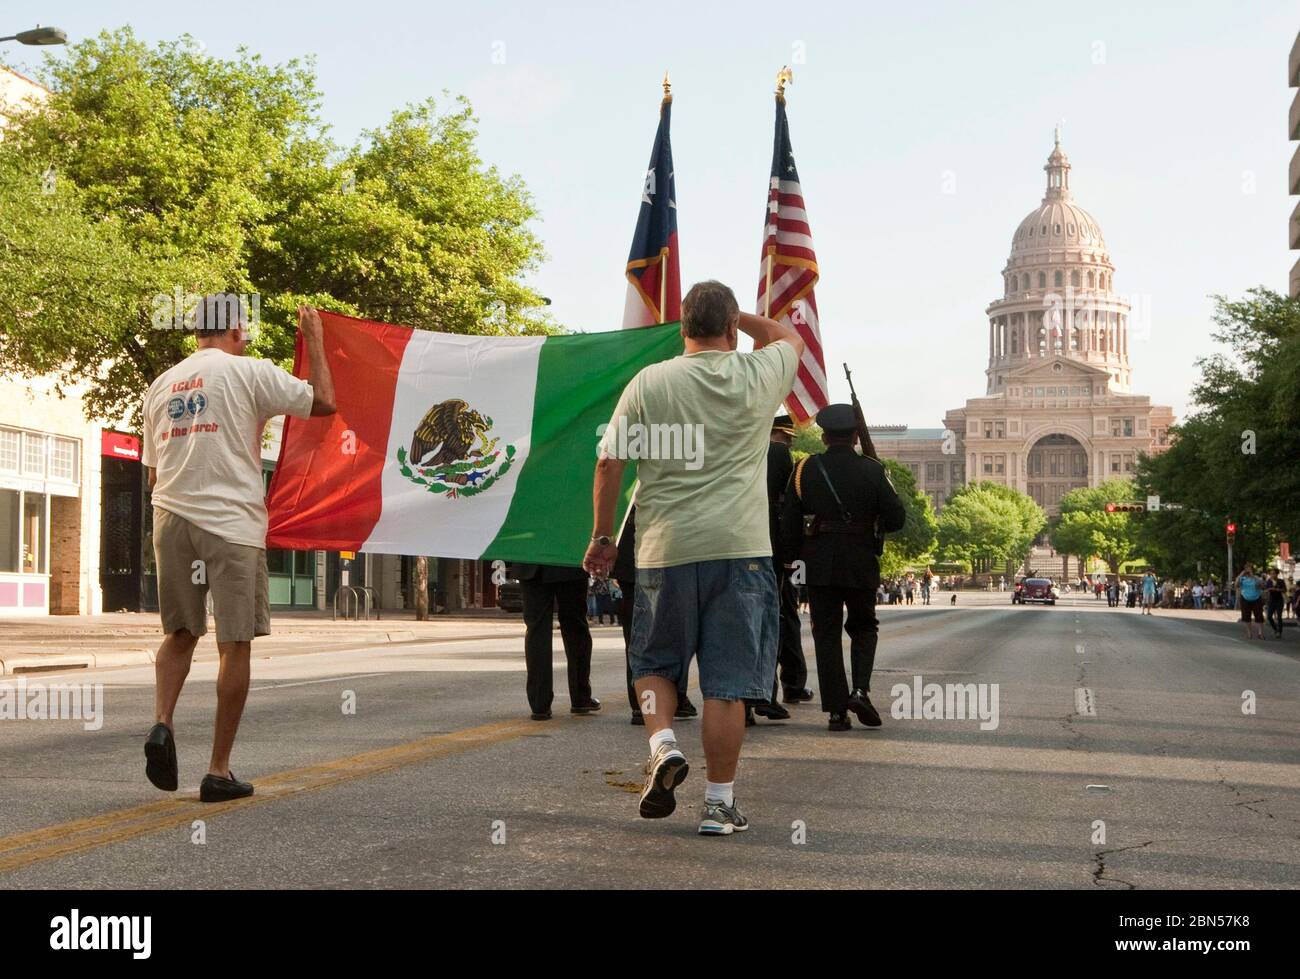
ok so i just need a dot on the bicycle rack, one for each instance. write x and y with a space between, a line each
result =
356 603
372 601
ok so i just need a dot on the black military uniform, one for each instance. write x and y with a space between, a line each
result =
792 668
547 589
836 507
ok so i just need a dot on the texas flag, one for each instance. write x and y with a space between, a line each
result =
654 281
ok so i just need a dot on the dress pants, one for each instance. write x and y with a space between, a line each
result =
827 606
541 598
791 666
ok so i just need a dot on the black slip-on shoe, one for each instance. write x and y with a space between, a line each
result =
214 788
772 711
685 709
638 719
861 705
839 722
589 707
797 695
160 758
541 715
749 716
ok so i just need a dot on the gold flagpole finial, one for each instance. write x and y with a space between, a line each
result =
783 77
668 88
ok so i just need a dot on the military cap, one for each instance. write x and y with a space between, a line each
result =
783 423
838 419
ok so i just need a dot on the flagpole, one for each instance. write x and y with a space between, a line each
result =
783 76
663 255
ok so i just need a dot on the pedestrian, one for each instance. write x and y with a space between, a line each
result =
927 582
705 587
1198 595
547 590
1250 595
852 504
792 667
203 424
624 573
1148 592
1276 599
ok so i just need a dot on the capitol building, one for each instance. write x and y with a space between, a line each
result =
1058 412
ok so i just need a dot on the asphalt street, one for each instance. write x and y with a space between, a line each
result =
1121 758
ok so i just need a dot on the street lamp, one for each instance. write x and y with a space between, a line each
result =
39 36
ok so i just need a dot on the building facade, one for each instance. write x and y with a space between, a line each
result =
1057 412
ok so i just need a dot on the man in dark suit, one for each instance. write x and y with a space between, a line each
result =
849 504
624 572
546 588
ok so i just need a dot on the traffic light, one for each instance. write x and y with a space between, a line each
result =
1231 528
1110 507
1126 507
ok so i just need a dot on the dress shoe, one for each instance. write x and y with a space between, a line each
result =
772 711
685 708
160 758
749 716
215 788
797 695
638 719
839 722
541 715
586 707
861 705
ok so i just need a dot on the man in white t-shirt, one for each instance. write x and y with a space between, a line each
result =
203 425
705 587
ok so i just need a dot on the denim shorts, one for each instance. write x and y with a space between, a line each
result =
722 612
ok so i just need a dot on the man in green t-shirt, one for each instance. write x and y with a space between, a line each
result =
697 429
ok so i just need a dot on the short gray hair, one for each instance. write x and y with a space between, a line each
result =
708 310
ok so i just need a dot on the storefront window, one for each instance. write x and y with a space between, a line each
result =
33 454
9 530
34 533
9 440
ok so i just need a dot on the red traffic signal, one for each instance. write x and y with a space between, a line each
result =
1110 507
1126 507
1232 529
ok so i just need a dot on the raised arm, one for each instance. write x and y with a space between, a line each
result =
765 331
322 382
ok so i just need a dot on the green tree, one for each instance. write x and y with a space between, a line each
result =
1085 528
988 525
179 172
1237 455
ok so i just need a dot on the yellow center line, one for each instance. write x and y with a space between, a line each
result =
64 839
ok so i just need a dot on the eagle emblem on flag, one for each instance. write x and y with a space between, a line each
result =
451 451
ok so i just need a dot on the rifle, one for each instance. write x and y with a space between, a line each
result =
869 451
864 435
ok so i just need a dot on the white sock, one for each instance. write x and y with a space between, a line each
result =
720 792
661 737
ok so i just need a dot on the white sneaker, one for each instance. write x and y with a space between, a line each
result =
665 770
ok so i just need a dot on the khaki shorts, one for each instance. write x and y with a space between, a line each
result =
234 574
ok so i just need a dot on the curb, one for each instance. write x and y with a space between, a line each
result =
40 664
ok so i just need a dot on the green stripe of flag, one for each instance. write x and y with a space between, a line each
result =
579 380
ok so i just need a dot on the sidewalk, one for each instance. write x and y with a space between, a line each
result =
42 643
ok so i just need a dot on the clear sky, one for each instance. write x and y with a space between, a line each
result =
1174 119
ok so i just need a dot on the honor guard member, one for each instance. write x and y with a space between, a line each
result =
837 509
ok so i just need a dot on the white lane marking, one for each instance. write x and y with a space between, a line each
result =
1078 648
1084 703
328 679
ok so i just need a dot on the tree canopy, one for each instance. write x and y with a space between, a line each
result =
154 172
1086 529
987 525
1237 454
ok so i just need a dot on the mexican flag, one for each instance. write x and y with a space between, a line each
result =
455 446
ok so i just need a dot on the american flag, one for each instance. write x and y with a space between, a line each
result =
790 266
